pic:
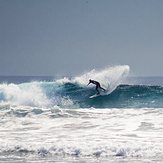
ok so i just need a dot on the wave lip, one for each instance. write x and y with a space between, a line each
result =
107 77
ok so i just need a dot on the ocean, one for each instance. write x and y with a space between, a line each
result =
51 119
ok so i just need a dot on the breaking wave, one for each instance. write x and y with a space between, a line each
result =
64 92
68 93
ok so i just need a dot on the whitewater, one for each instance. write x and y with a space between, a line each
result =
56 121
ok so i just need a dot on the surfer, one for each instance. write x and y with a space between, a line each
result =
97 85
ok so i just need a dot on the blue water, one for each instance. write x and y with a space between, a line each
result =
135 92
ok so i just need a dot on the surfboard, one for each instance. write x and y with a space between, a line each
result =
93 96
101 94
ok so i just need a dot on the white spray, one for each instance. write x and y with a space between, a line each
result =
31 95
109 77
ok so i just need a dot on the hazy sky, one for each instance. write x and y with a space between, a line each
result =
57 37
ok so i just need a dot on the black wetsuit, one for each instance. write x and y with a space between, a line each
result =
97 85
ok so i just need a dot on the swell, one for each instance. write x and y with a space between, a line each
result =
124 96
130 96
68 95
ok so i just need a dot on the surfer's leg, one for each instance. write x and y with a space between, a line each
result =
103 88
98 92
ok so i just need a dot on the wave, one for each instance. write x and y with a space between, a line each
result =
131 96
73 93
64 92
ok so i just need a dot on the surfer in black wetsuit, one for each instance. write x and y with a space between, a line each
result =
97 85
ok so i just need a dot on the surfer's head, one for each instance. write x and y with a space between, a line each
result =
90 80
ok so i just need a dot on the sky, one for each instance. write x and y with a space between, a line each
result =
69 37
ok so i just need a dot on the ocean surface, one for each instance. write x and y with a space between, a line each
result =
49 119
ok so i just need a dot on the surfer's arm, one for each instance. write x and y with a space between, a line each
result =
88 83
